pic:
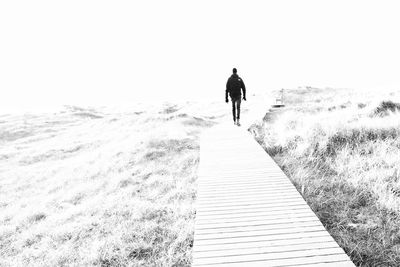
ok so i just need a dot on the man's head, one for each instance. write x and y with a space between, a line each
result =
234 70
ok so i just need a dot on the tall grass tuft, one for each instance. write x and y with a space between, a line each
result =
385 107
345 163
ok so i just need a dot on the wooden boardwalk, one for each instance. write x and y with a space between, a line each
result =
249 213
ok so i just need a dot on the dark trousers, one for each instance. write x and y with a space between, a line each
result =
236 107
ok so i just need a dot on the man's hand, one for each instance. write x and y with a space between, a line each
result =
226 100
244 98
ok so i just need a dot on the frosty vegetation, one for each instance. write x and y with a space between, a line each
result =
100 187
341 148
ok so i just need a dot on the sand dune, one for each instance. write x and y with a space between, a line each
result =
103 186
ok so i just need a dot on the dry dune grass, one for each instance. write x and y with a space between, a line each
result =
100 187
341 149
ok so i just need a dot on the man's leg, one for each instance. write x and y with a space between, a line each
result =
233 109
238 108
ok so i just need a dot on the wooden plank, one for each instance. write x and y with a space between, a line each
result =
258 232
232 199
262 176
216 192
274 256
260 249
263 243
322 260
265 218
253 198
245 228
243 171
278 199
249 204
237 179
228 188
253 207
259 221
326 264
258 238
248 213
212 183
251 213
249 192
274 198
245 191
251 175
264 185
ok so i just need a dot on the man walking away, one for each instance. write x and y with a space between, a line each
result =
234 86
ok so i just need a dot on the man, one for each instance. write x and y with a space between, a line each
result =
234 86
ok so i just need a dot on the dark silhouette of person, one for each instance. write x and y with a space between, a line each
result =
234 86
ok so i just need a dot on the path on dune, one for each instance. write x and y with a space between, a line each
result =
248 213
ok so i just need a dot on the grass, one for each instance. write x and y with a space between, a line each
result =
341 149
101 187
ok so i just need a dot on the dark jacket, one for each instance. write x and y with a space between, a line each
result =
233 86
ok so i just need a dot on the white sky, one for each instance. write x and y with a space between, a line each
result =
97 52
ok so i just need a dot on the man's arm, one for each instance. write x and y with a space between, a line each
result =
227 91
243 89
